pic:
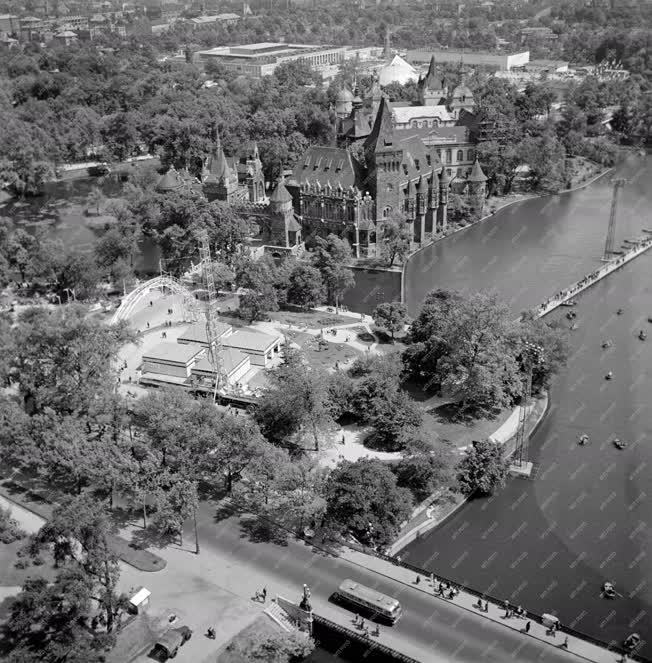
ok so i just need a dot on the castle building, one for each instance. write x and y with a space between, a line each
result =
377 172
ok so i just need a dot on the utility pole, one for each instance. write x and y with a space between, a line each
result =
611 230
214 345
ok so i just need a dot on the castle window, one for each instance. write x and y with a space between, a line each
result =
449 156
428 159
460 155
449 171
439 154
416 164
470 155
459 172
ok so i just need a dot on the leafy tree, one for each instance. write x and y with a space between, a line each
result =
396 238
465 346
256 303
390 316
80 535
331 257
546 157
362 498
296 404
306 287
483 469
499 161
64 359
272 647
95 199
425 467
46 621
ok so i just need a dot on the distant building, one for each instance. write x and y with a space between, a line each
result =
221 19
65 37
529 35
547 66
501 61
262 59
258 346
9 24
397 71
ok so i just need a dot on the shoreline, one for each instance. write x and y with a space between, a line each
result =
493 214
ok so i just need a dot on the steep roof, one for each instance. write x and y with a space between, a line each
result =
382 134
415 156
328 165
217 166
170 181
344 95
476 174
280 194
432 81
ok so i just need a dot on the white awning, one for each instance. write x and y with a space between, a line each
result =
140 597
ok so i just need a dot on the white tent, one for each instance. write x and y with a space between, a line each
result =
398 70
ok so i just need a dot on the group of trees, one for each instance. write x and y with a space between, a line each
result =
469 348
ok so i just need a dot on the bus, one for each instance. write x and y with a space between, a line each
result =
370 601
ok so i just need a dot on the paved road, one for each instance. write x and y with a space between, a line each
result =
431 629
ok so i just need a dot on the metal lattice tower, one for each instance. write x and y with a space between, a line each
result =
532 355
214 345
611 231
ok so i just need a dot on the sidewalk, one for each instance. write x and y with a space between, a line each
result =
579 648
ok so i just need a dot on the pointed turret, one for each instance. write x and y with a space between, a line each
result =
216 168
432 89
169 182
280 194
477 175
444 178
382 134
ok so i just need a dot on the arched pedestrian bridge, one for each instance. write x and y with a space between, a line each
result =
142 291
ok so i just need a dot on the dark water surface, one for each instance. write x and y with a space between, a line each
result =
550 543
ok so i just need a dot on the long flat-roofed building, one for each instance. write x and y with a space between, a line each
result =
262 59
500 61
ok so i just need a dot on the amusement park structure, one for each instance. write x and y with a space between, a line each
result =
611 230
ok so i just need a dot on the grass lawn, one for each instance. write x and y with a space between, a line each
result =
310 319
11 576
326 357
439 423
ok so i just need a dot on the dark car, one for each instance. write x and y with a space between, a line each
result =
168 644
99 170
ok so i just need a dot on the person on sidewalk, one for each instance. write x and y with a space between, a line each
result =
418 580
264 594
564 644
486 606
527 627
376 631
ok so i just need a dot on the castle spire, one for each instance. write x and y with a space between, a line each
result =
382 134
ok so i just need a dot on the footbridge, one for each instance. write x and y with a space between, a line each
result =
143 290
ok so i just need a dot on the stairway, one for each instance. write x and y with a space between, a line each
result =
275 612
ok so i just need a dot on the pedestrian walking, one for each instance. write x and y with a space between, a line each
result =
264 594
376 631
356 619
441 590
564 644
148 325
151 303
527 627
486 606
418 580
432 579
361 624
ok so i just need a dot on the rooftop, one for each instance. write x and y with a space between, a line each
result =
197 333
251 340
173 352
231 359
326 165
404 114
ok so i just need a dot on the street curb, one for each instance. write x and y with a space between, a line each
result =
462 607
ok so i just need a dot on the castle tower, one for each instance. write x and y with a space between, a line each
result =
444 186
432 90
344 103
255 179
285 230
462 97
477 184
384 157
219 180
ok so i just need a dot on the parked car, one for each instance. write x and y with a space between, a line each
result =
168 644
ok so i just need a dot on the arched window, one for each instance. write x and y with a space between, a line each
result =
470 155
460 156
387 212
459 172
449 156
